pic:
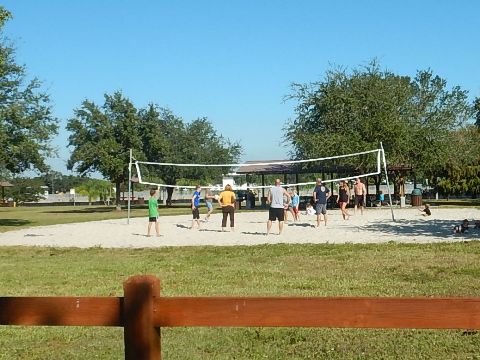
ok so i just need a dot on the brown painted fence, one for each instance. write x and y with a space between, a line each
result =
142 312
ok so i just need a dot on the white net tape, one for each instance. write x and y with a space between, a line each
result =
246 165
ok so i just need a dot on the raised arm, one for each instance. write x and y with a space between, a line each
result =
289 198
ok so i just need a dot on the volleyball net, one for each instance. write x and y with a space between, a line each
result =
247 174
330 169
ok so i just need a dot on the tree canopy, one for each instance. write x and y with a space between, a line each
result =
26 121
25 190
350 112
102 137
476 106
169 139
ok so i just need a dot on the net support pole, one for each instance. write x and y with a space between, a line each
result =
386 178
129 186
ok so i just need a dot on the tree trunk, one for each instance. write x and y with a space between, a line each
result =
377 180
169 195
117 195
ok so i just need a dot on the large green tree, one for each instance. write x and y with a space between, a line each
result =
25 190
102 137
461 173
167 138
476 106
26 121
350 112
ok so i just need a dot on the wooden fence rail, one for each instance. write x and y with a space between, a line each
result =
142 312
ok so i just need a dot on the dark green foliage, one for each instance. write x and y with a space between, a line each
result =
102 137
26 120
25 190
461 171
345 113
167 138
476 106
461 180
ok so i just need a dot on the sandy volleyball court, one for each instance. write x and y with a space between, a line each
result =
375 226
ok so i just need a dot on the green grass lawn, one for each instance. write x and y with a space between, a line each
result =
450 269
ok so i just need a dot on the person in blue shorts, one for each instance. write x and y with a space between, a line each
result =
196 206
321 194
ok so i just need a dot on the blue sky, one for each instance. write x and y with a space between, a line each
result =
232 61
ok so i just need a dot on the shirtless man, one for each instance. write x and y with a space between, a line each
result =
360 195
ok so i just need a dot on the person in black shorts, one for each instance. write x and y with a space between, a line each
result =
277 207
360 191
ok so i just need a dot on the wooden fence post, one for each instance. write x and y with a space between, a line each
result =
141 337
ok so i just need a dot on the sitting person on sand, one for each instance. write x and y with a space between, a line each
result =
426 210
381 198
309 210
463 228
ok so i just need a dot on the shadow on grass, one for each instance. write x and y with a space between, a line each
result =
82 211
421 227
14 222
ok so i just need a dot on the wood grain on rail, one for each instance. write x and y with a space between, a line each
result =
333 312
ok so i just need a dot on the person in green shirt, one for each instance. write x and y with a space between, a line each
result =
153 213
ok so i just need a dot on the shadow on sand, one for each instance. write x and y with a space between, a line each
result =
253 233
300 224
420 227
